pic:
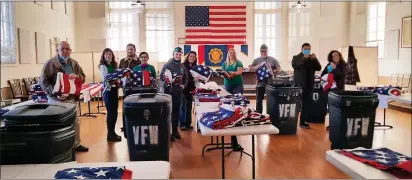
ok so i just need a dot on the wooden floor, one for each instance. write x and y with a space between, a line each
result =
292 156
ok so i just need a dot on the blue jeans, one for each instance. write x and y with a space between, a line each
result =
234 89
111 100
185 119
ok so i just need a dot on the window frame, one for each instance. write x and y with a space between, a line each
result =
11 33
376 42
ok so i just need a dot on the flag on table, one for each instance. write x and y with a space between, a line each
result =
215 24
204 50
389 90
67 86
384 159
94 173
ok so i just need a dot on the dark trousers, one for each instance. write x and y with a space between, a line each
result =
306 103
186 111
234 89
111 101
176 92
260 95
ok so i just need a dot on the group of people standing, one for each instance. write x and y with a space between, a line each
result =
304 64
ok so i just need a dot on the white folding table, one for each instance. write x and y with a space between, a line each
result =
239 131
140 169
355 169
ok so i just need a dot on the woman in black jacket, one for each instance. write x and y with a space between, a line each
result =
337 67
186 107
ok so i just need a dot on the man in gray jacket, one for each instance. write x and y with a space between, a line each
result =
261 86
305 64
62 63
175 89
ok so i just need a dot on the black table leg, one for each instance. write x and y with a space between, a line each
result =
384 121
88 114
223 157
217 146
253 157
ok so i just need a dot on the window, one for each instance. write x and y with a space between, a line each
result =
8 36
299 29
376 26
123 26
268 28
160 29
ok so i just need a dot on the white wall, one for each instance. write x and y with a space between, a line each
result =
394 14
37 18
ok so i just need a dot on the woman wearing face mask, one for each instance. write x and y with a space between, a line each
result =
144 57
337 66
107 65
233 82
185 118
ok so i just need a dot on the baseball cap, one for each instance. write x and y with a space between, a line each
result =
178 49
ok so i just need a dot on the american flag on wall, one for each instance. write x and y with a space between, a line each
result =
215 24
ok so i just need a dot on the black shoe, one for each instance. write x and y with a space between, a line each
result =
114 137
185 128
82 148
237 148
176 135
172 138
305 126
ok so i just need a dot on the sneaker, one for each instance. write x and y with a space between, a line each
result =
305 126
82 148
176 135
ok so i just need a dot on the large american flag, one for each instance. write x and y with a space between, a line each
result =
215 24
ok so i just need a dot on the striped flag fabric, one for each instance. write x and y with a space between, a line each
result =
65 85
215 24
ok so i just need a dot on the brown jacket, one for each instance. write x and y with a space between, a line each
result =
129 63
49 74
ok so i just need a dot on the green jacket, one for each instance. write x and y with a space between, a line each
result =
149 68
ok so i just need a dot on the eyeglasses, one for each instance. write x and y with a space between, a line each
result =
144 57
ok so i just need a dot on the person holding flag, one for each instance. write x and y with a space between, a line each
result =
144 58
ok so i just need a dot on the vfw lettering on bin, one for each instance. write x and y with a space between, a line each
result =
289 94
357 126
146 135
287 110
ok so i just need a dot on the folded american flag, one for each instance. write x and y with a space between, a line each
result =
385 90
2 112
384 159
201 73
236 99
171 79
220 73
208 98
264 72
255 118
226 116
66 86
139 79
39 97
202 91
94 173
328 82
35 87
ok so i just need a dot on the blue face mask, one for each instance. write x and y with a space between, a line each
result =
305 52
64 58
330 68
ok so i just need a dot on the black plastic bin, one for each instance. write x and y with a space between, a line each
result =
147 124
283 105
318 107
351 119
136 90
37 144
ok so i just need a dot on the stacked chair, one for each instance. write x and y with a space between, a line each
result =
38 133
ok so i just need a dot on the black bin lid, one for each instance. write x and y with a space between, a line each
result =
41 111
353 94
148 99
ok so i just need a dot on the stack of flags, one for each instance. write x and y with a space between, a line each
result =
38 94
236 99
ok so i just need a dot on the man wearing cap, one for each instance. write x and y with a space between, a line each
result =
260 85
176 86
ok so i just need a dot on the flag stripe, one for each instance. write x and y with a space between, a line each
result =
215 42
227 7
215 37
227 19
201 53
226 13
219 24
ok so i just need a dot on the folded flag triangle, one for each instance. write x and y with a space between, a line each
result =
66 86
264 72
94 173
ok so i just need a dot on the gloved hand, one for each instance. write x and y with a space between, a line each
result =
330 68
